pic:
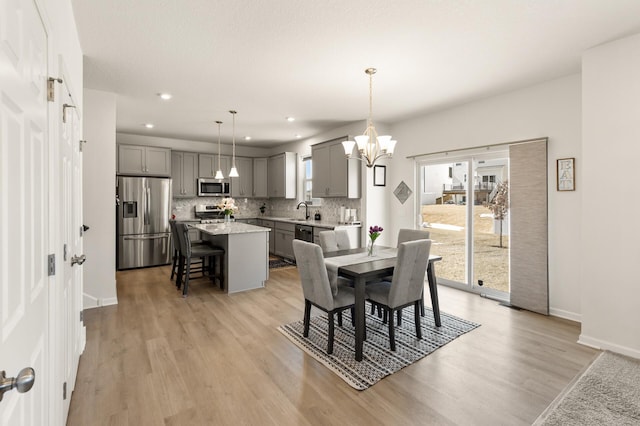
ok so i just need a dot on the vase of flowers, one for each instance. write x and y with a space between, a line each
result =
374 233
228 206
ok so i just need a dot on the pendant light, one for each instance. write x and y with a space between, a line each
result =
233 172
371 147
219 174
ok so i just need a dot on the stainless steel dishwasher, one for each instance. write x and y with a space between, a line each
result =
304 233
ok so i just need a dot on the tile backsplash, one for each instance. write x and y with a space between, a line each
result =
183 208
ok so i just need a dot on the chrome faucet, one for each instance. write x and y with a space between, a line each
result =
306 209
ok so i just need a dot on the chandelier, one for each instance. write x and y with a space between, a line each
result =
233 172
219 174
371 147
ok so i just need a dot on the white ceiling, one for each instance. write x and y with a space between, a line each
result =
306 59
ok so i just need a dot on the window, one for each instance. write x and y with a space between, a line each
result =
307 182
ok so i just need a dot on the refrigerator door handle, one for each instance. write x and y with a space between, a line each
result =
150 237
147 206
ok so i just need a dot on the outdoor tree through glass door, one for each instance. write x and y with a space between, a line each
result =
464 206
491 225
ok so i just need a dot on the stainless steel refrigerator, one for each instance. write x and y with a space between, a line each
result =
143 211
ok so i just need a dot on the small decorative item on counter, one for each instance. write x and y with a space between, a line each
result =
173 217
228 206
374 233
263 207
317 215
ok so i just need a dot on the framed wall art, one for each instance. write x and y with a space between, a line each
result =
566 174
379 175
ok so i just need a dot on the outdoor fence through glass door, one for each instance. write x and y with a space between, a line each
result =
461 203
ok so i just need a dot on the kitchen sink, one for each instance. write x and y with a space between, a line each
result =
295 219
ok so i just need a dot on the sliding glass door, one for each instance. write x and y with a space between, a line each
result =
463 203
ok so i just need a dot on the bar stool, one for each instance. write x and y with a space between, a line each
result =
204 251
176 252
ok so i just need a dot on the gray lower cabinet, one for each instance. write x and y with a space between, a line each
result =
271 225
284 236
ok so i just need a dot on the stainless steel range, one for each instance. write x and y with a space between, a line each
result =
209 213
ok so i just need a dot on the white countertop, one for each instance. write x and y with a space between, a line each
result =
311 222
228 228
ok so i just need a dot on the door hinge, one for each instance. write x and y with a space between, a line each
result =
81 316
80 143
51 89
51 264
64 391
64 252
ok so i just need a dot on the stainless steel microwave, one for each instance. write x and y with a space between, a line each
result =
213 188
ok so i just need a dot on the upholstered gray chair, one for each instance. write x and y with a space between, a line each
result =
406 287
317 289
200 251
405 235
335 240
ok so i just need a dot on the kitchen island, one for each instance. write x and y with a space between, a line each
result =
246 264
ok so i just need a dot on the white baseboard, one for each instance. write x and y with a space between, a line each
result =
565 314
89 302
109 301
604 345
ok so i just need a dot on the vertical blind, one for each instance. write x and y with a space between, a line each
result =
529 276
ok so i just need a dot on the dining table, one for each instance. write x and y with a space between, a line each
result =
358 266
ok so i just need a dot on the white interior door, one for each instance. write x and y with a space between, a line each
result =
24 228
68 298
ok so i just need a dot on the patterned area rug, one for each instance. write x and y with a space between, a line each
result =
378 361
277 262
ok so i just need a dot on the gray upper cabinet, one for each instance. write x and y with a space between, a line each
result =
242 186
260 178
334 175
281 181
144 160
208 165
184 172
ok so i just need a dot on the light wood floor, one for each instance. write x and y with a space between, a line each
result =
217 359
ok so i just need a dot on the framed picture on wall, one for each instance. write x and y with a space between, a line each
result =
566 173
379 175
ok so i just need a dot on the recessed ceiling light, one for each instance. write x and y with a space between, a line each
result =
298 136
290 119
247 138
149 125
165 96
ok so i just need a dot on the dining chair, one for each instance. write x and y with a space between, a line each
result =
405 235
335 240
189 252
317 289
406 287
